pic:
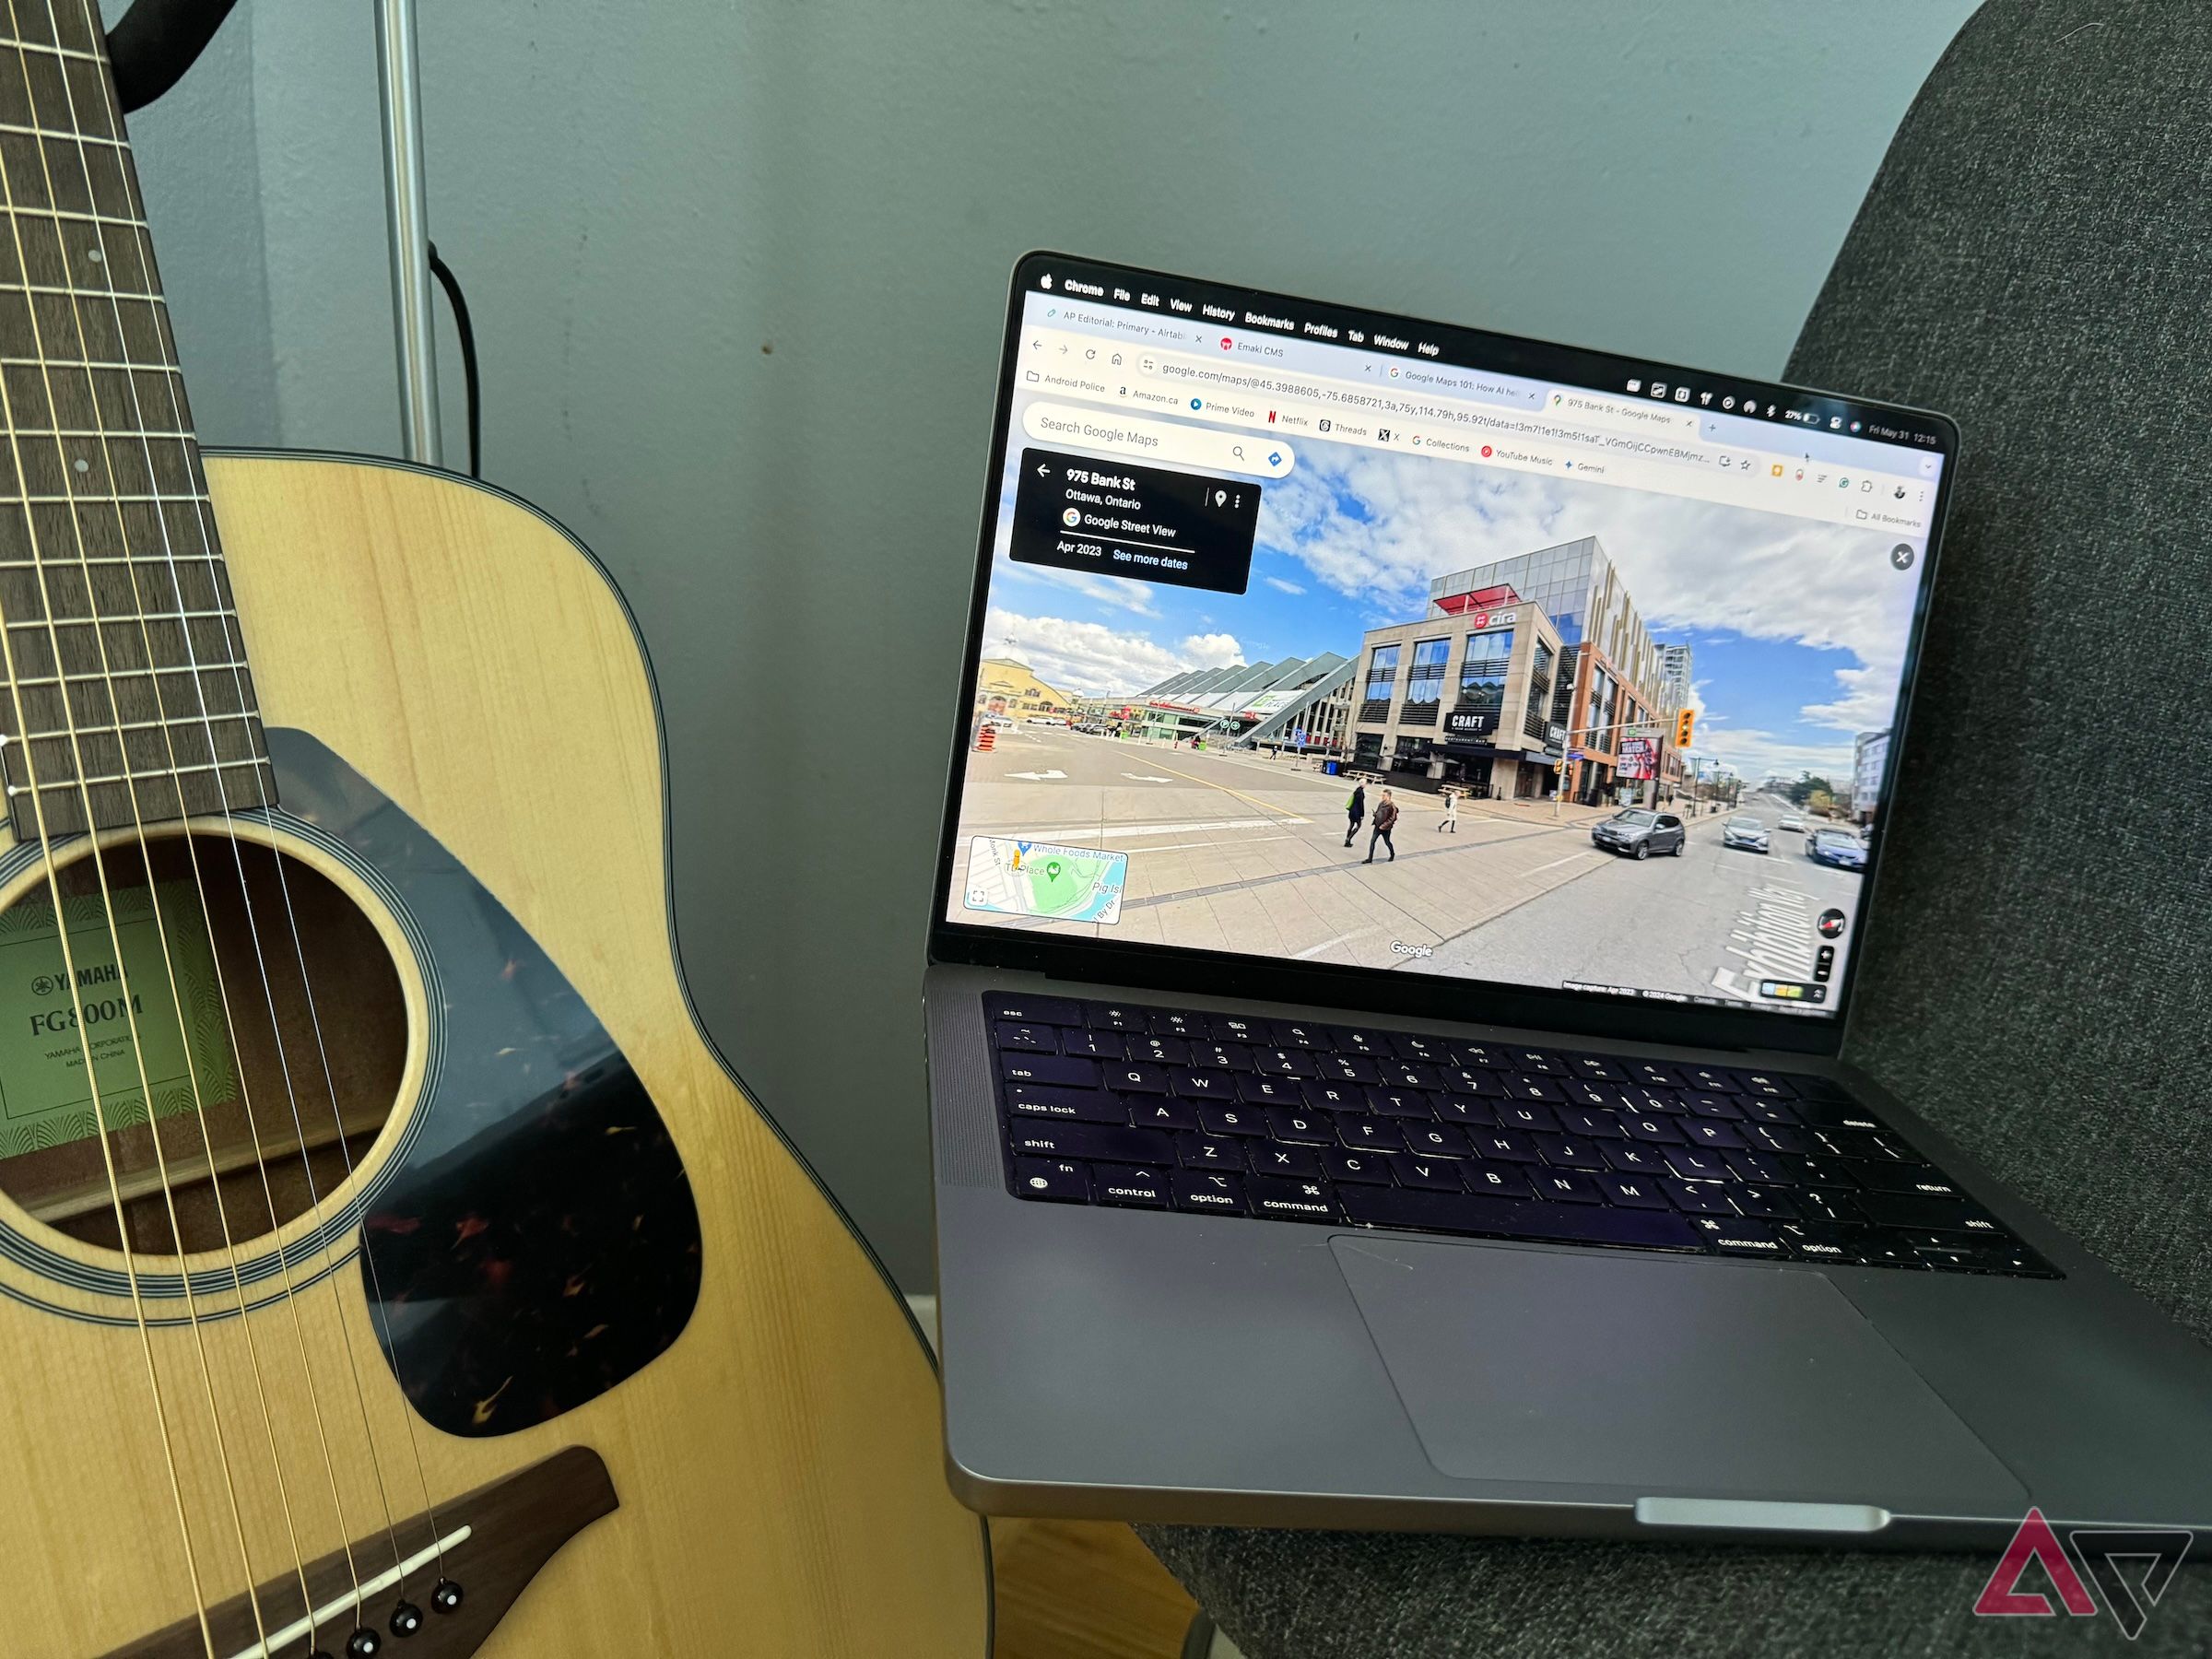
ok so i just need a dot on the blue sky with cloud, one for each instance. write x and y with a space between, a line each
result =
1798 628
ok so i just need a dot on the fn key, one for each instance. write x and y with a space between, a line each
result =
1051 1178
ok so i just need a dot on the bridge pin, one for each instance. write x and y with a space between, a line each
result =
406 1619
445 1596
364 1644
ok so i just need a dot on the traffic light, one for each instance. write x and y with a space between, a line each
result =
1684 723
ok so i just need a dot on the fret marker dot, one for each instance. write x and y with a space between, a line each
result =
94 254
83 465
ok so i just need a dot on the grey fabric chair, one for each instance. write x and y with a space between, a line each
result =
2035 257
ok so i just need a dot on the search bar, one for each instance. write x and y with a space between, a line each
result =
1160 442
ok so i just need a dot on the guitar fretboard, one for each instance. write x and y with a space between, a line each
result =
125 696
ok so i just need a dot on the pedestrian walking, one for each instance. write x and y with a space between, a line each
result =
1354 810
1386 815
1451 818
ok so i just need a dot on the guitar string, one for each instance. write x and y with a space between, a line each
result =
101 1115
207 541
129 770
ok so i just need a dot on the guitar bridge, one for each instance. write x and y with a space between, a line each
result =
485 1547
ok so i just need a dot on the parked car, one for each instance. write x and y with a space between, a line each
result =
1790 820
1836 847
1639 832
1745 832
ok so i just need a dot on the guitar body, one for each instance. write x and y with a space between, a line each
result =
567 1190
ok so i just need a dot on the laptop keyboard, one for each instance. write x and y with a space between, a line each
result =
1233 1114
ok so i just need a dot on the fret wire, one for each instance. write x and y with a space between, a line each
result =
61 52
98 431
111 558
82 293
82 218
93 496
51 679
120 618
132 725
33 362
38 132
133 777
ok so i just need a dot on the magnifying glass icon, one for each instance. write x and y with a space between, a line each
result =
1237 450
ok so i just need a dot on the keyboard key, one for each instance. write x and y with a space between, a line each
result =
1775 1137
1539 1063
1369 1133
1738 1237
1034 1010
1059 1070
1827 1203
1711 1132
1699 1197
1289 1162
1633 1159
1299 1127
1437 1140
1932 1215
1283 1063
1596 1067
1564 1154
1375 1045
1078 1105
1590 1126
1767 1202
1238 1027
1168 1022
1222 1056
1460 1081
1526 1087
1707 1080
1771 1112
1907 1178
1333 1096
1438 1174
1289 1200
1157 1112
1025 1038
1202 1085
1769 1084
1498 1180
1256 1090
1478 1213
1098 1045
1346 1069
1133 1076
1564 1186
1531 1116
1231 1120
1401 1075
1481 1056
1693 1163
1713 1106
1138 1188
1051 1178
1836 1114
1429 1051
1812 1171
1821 1240
1299 1034
1107 1016
1205 1152
1505 1146
1159 1050
1204 1190
1655 1073
1631 1192
1098 1143
1765 1167
1399 1103
1875 1250
1355 1168
1465 1109
1656 1130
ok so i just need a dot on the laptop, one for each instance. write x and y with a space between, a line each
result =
1415 799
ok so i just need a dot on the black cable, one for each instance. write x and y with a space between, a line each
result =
451 285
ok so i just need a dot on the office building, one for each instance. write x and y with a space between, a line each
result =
1869 757
1611 674
1464 695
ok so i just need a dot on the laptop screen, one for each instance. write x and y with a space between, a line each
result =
1323 635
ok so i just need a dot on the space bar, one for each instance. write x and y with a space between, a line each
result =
1476 1213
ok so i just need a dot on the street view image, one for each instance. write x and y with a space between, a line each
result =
1433 717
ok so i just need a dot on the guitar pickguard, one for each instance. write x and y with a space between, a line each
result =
534 1241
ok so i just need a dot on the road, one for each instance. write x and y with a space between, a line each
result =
1235 852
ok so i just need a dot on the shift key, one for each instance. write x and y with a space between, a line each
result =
1100 1142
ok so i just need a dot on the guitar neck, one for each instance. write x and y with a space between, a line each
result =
127 697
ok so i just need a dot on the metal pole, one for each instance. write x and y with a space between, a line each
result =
412 320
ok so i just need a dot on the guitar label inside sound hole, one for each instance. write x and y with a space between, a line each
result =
244 1122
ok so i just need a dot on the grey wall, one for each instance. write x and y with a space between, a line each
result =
738 276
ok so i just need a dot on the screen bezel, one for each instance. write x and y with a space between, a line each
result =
1169 968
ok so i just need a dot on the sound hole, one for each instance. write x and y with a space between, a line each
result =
261 1100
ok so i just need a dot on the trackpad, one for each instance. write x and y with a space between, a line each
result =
1690 1376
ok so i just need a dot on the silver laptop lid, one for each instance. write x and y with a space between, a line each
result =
1612 652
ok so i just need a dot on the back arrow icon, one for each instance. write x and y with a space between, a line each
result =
1044 469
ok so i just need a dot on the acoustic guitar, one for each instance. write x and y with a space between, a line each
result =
387 1261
